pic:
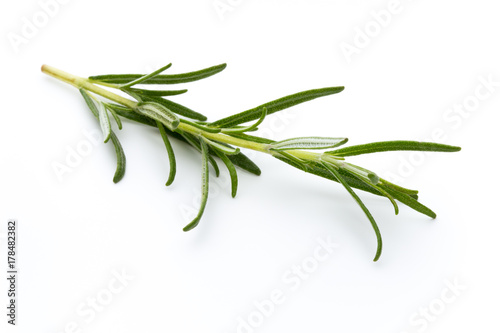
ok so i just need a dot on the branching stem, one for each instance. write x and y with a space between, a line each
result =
80 82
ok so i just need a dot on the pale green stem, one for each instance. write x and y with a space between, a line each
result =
80 82
86 84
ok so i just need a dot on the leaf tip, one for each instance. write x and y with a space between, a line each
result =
191 225
118 177
379 252
175 124
373 178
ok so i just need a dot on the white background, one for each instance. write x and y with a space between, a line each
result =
75 234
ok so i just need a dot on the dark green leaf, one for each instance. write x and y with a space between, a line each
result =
240 160
115 116
90 102
170 151
399 188
232 172
160 79
143 79
243 162
410 202
381 190
176 108
250 138
132 115
201 127
100 112
275 106
226 149
156 93
214 165
392 146
363 207
318 169
195 142
120 159
292 160
138 97
250 128
204 186
359 171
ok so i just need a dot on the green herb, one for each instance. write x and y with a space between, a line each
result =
224 138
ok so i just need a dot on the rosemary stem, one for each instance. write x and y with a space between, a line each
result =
86 84
223 138
80 82
263 148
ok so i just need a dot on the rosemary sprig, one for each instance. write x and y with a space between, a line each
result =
224 138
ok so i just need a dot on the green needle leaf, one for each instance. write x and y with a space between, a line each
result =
202 127
398 188
252 138
214 165
176 108
410 202
243 162
118 107
115 116
240 160
290 159
158 112
120 155
228 150
204 186
160 79
144 78
132 115
392 146
247 128
363 207
232 172
120 159
312 142
157 93
391 199
90 102
195 142
360 172
275 106
99 111
318 169
381 190
170 151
